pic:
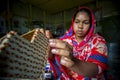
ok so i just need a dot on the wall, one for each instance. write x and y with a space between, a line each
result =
22 17
29 17
108 21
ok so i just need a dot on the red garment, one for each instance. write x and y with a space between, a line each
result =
92 49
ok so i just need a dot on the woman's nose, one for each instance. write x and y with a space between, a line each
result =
80 25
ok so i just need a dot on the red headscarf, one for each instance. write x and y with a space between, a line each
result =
91 30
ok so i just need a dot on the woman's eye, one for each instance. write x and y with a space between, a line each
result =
76 21
86 22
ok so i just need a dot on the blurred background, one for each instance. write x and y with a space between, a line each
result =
55 15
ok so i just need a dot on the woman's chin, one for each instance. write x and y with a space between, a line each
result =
80 36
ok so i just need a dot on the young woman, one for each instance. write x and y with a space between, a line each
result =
80 54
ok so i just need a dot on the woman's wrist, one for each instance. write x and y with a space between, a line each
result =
76 64
73 62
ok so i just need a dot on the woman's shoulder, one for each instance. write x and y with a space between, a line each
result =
97 38
99 43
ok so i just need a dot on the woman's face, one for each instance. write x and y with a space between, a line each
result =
81 24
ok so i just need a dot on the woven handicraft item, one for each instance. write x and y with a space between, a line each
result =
23 57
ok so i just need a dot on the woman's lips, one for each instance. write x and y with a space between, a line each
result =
79 32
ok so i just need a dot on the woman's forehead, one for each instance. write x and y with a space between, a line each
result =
82 15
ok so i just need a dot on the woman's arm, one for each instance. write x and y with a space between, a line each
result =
84 68
64 50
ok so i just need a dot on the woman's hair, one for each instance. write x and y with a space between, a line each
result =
83 10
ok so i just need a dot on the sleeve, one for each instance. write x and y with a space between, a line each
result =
99 54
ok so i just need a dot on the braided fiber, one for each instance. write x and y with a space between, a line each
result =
23 57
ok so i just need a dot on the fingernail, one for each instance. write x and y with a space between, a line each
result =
63 62
53 50
50 40
65 58
52 43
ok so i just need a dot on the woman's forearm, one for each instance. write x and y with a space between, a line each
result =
84 68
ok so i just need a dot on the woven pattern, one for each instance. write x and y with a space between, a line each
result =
23 58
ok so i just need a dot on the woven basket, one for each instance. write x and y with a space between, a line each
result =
23 57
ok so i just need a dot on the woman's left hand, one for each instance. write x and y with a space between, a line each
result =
64 50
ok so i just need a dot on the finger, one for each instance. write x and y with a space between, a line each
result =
48 34
58 43
61 52
50 55
42 30
66 62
